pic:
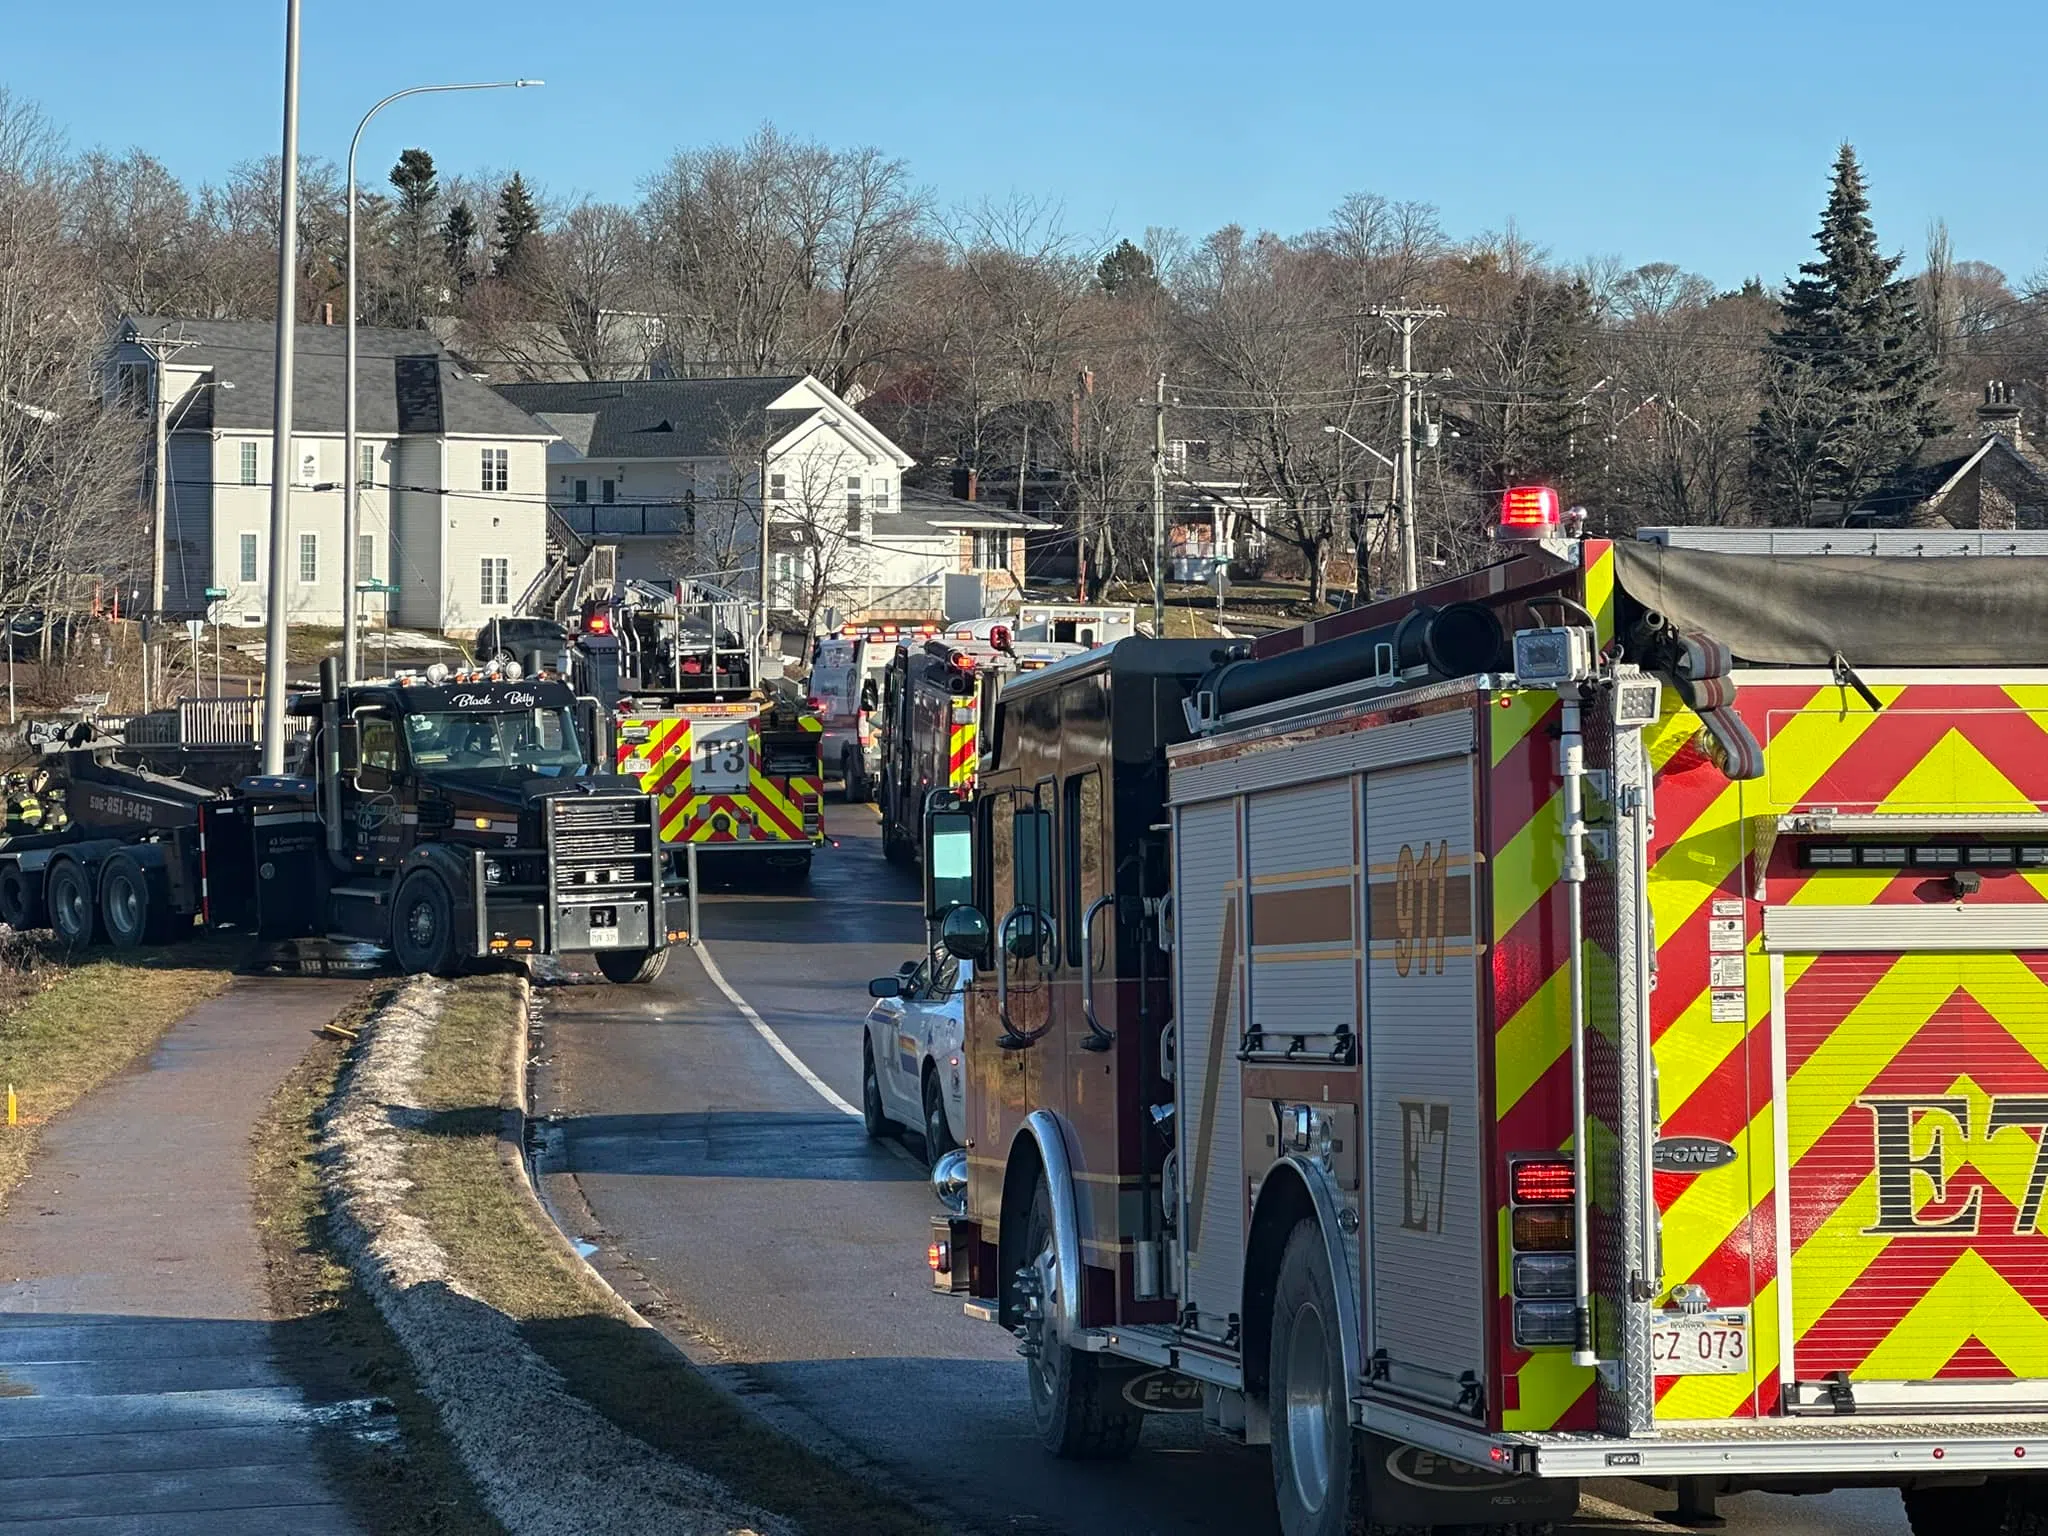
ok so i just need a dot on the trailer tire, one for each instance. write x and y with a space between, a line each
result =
630 968
131 907
1317 1488
74 908
21 899
1077 1399
423 926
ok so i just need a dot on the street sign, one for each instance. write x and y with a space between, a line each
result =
194 629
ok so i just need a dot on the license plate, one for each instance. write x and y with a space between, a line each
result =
1701 1344
604 938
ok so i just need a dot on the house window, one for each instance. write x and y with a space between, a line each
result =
582 490
309 559
880 495
729 485
248 463
132 387
497 581
497 468
249 555
778 486
611 491
785 579
366 464
853 503
366 557
992 551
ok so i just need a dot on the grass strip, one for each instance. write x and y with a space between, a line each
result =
330 1334
502 1248
93 1021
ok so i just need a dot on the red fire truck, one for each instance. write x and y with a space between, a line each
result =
1584 1019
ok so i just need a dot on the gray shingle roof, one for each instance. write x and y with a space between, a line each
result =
949 513
665 418
406 382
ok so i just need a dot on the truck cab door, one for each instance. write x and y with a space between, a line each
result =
372 801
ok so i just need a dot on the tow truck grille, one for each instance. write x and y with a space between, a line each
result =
603 848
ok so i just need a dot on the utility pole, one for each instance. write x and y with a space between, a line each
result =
159 350
281 417
1404 317
1159 510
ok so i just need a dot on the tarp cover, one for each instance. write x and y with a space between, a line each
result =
1875 610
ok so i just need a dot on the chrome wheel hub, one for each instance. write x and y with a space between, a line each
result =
1307 1408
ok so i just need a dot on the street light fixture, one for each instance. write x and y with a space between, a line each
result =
351 472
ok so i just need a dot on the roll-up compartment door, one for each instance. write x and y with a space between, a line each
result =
1426 1293
1209 945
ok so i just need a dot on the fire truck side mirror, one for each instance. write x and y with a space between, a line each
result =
590 725
350 743
964 934
868 697
949 864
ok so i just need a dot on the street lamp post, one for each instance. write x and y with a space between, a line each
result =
351 473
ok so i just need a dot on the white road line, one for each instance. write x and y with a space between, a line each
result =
796 1062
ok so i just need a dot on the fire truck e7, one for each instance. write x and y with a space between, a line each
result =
1584 1019
730 757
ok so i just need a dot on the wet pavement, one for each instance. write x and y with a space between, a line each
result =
142 1388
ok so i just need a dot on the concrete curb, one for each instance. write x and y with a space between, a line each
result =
542 1459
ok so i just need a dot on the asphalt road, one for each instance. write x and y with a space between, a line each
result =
750 1217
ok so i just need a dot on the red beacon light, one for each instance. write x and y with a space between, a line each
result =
1529 512
598 623
999 637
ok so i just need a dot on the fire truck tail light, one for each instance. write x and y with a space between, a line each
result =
1544 1323
940 1256
1541 1181
1529 512
1544 1275
963 661
1542 1229
597 624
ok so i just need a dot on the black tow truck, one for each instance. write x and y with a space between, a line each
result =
444 818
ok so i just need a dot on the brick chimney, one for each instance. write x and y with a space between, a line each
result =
327 314
2000 413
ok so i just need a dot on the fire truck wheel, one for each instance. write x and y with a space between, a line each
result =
423 925
938 1136
631 968
1994 1508
74 914
1077 1399
873 1119
1315 1483
21 902
132 911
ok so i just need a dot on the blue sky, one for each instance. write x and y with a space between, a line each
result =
1686 133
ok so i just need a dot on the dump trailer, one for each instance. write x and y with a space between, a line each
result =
731 758
1581 1020
445 818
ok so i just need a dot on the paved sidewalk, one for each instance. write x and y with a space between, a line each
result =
140 1389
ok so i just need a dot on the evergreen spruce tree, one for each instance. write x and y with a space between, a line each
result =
416 277
518 222
1850 381
458 244
1126 267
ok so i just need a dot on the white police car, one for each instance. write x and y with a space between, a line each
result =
912 1073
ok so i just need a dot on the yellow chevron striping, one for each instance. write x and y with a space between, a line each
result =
1523 711
1530 864
1971 1300
1525 1046
1600 594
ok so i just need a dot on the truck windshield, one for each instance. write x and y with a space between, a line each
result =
530 738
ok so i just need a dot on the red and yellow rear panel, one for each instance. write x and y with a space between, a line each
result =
706 771
1915 1085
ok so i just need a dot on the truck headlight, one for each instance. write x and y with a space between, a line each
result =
494 872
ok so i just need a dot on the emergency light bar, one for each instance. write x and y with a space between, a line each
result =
1529 512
